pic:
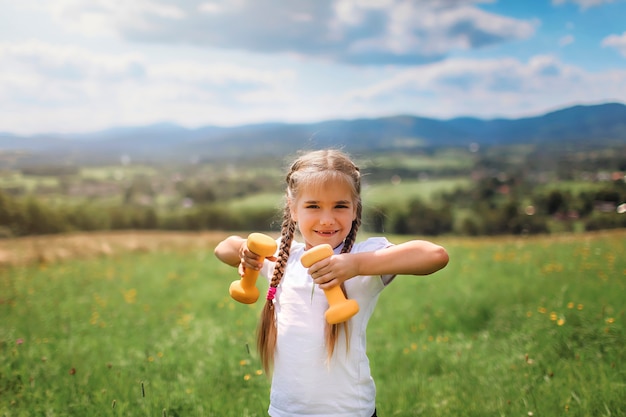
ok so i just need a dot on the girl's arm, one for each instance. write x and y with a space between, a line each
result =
229 250
416 257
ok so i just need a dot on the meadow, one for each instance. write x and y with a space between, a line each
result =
400 193
141 324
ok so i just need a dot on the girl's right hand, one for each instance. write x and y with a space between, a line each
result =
250 260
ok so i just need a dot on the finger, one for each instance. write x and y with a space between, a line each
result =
254 265
328 284
323 278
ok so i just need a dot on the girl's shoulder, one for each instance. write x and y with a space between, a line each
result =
371 244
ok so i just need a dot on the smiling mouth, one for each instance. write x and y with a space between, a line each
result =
326 232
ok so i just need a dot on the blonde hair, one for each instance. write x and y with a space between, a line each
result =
315 168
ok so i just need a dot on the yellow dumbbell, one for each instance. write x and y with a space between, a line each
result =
340 308
244 290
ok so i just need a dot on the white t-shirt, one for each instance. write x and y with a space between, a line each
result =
305 382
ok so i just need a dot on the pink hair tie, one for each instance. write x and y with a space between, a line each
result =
271 292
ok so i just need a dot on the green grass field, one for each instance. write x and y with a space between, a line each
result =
406 191
512 327
375 194
439 160
29 183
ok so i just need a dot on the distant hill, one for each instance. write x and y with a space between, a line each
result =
578 125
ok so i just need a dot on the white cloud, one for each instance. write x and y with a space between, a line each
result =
566 40
103 91
71 89
616 41
47 87
352 31
492 88
68 62
584 4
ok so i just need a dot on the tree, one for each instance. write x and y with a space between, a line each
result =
426 220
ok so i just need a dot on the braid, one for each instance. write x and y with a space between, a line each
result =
266 331
351 238
288 229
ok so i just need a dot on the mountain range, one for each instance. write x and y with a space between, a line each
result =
583 126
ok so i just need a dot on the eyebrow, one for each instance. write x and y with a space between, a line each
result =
336 202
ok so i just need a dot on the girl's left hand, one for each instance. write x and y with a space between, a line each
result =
333 270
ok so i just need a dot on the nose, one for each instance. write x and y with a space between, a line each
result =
326 218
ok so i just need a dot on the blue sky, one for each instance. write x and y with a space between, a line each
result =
87 65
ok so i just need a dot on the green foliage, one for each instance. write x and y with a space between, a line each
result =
511 327
519 189
50 170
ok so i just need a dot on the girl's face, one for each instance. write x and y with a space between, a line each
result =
324 213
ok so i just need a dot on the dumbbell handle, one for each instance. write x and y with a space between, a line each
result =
340 309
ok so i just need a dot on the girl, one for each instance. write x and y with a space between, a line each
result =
320 369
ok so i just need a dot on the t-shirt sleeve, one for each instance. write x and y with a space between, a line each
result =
372 244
